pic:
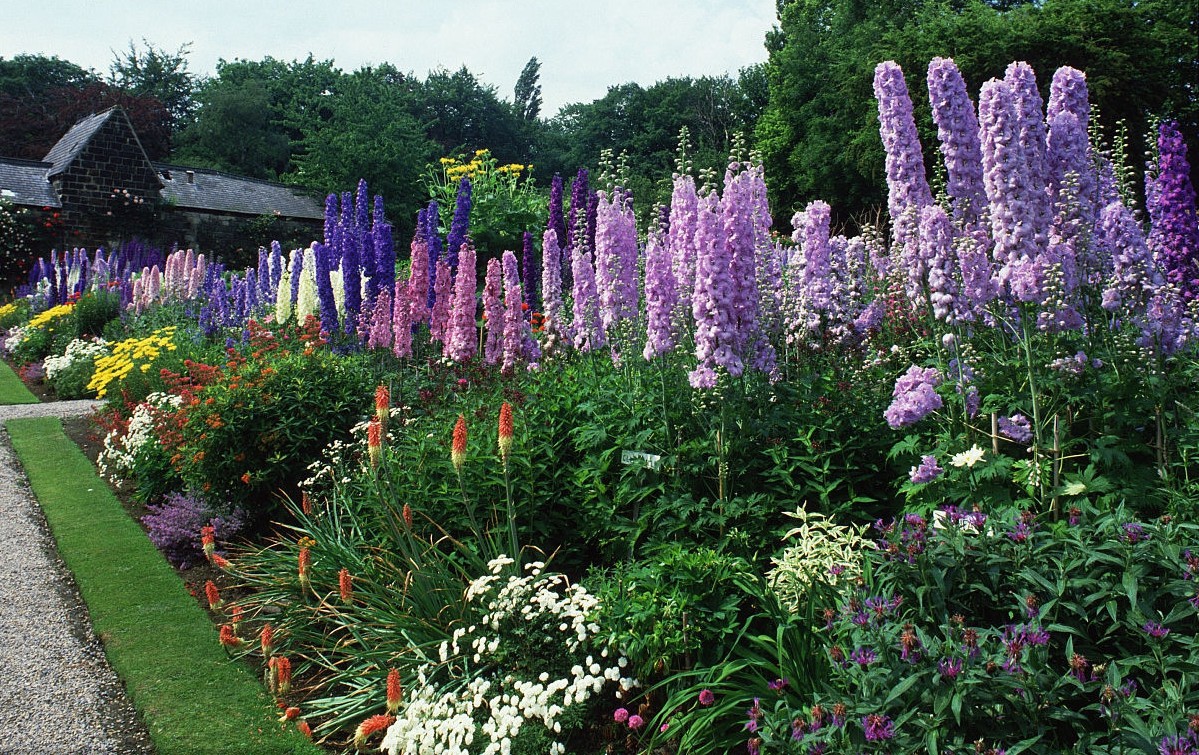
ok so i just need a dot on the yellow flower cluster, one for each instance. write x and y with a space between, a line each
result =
130 353
41 319
8 310
480 165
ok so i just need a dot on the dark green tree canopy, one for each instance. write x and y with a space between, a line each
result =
526 96
153 72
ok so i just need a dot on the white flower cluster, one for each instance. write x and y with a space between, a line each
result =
335 455
119 455
15 337
493 706
77 350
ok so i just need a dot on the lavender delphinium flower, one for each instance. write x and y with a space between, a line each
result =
712 304
324 288
351 278
661 297
1174 238
529 272
460 224
585 327
927 471
737 208
1022 82
615 260
419 282
1072 187
461 342
957 130
551 281
556 221
402 306
1016 427
381 322
812 267
439 315
516 327
493 312
907 185
680 237
1018 231
915 396
937 258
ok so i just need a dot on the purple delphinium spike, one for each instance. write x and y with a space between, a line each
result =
351 278
461 339
551 282
493 312
460 224
439 315
1022 81
332 216
385 257
1134 277
907 185
324 288
1072 185
661 297
577 220
811 272
418 279
937 240
1016 228
276 265
557 220
915 397
1174 238
296 267
529 272
401 318
615 260
516 327
585 322
712 303
957 130
736 209
680 237
381 322
433 243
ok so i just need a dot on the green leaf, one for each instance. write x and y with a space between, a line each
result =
902 687
1130 586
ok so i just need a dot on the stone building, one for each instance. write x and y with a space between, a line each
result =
101 188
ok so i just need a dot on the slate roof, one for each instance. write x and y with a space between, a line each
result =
73 142
25 182
215 191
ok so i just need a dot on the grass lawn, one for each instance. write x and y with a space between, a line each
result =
12 390
193 699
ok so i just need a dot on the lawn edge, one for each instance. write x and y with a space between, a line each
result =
12 390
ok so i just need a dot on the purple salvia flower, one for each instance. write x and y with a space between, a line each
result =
460 224
907 186
401 318
493 312
680 237
381 323
1016 226
439 316
585 326
957 130
461 341
914 397
712 303
1174 238
419 282
551 281
927 471
661 297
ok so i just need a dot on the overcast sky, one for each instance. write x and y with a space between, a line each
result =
584 47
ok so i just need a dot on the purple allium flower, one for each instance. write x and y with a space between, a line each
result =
957 129
863 656
1175 235
915 397
620 715
460 224
927 471
907 186
706 698
661 297
1017 427
950 668
461 341
878 727
636 722
493 313
1156 630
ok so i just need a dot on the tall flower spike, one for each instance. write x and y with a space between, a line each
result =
304 561
213 595
395 696
282 675
506 431
370 727
458 449
382 406
461 337
267 639
345 585
957 130
907 186
208 541
493 313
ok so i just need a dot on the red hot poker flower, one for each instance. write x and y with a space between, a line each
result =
394 691
370 727
345 584
458 450
213 595
506 430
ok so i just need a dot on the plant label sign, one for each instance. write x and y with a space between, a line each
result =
651 461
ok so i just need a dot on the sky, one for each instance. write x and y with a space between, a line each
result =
583 47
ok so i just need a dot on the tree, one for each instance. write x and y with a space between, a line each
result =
461 115
154 72
31 76
526 97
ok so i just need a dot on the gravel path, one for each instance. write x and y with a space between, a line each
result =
58 695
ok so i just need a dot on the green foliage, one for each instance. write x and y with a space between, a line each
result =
94 311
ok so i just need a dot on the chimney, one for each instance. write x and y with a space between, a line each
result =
191 176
